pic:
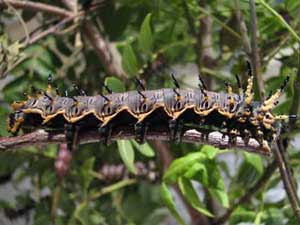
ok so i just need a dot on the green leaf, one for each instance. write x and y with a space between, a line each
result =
144 149
280 19
129 61
190 194
181 165
198 172
85 170
221 196
242 215
215 180
168 199
127 154
146 36
115 84
215 184
210 151
255 161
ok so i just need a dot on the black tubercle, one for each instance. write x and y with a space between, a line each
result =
48 96
249 68
201 83
202 86
139 84
108 89
106 98
285 82
140 87
175 81
238 81
80 91
49 79
57 91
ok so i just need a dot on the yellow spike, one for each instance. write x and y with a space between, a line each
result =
249 91
282 117
230 93
49 89
271 102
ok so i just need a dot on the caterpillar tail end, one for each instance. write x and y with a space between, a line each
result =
14 123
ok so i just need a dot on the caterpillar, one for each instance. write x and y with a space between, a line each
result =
237 114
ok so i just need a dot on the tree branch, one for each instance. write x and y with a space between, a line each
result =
36 6
287 179
103 50
243 29
42 137
255 51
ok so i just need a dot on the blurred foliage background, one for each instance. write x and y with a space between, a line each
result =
95 42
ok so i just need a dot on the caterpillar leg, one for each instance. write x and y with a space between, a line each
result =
232 134
140 132
72 132
175 127
246 136
105 133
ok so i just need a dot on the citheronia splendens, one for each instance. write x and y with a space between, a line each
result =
237 114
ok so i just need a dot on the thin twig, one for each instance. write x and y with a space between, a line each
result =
287 180
255 51
249 193
100 45
52 30
19 18
42 137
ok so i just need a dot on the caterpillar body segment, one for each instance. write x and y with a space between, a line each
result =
174 108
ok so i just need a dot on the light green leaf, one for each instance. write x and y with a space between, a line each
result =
190 194
255 161
220 195
145 149
215 180
242 214
181 165
280 19
129 61
168 199
115 84
210 151
146 36
197 172
127 154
